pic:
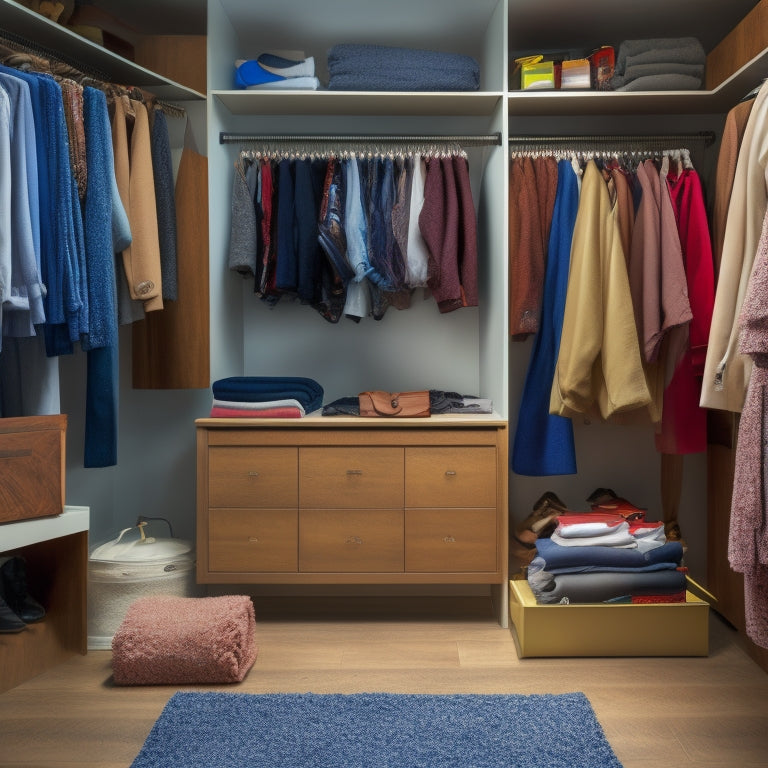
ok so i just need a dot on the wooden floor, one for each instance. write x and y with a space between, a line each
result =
657 713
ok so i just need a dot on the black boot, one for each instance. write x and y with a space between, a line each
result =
9 621
13 586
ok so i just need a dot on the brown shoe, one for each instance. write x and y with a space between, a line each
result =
674 533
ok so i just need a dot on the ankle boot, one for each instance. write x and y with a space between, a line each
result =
9 621
13 581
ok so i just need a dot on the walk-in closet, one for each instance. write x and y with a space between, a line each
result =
167 446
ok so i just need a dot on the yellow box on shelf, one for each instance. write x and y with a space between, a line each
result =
535 73
599 629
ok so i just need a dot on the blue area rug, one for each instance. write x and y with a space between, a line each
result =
376 730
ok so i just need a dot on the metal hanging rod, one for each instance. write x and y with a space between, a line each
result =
468 140
708 137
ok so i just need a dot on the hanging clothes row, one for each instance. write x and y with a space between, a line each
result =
87 176
736 372
351 231
611 270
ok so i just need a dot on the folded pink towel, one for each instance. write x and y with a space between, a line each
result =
174 640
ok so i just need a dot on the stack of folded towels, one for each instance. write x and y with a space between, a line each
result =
660 64
359 67
607 557
270 397
272 71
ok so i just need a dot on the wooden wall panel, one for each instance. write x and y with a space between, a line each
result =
740 46
181 58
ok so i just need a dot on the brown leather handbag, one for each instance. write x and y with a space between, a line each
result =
394 404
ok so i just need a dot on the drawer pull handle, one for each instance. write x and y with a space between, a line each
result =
253 539
354 471
449 539
253 473
450 472
356 540
20 454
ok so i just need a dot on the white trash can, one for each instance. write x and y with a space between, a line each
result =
130 566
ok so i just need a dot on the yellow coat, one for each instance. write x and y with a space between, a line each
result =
599 358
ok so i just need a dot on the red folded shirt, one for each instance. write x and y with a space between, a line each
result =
287 412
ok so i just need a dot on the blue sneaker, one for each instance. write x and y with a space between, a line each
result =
270 68
250 72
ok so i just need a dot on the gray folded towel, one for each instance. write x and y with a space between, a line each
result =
683 50
672 63
663 83
645 70
357 67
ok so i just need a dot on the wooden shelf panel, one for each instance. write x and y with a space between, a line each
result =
50 38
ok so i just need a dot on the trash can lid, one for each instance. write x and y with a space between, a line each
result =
141 549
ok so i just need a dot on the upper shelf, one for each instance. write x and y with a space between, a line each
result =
719 100
484 103
54 40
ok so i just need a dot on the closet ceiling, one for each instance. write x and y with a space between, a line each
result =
533 23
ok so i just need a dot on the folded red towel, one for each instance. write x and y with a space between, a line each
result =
174 640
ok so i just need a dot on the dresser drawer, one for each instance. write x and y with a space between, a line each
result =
252 476
253 540
354 477
350 541
450 540
450 476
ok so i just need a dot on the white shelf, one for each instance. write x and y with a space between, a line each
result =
27 532
717 101
366 103
484 103
40 34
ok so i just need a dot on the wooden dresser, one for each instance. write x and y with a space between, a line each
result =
348 500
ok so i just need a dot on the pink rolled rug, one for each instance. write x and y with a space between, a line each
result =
175 640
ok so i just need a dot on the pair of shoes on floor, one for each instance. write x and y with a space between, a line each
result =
17 607
674 533
606 500
539 524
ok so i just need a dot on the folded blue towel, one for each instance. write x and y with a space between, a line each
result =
556 557
257 389
357 67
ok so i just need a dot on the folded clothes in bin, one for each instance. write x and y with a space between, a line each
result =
168 640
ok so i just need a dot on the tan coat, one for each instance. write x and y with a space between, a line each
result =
136 185
599 358
726 371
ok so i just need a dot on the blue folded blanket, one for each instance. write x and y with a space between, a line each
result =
258 389
358 67
557 557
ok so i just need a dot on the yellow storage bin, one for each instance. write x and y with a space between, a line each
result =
596 629
537 76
